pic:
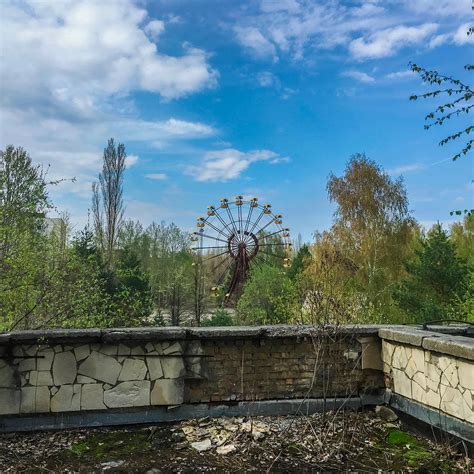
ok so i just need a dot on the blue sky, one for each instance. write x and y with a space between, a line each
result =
218 98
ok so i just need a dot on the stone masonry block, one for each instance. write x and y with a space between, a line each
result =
100 367
64 368
132 369
128 394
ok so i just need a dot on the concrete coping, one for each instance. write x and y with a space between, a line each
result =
458 346
177 333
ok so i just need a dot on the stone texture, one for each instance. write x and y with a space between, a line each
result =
168 392
67 398
132 369
83 379
154 368
466 374
28 402
109 349
173 367
7 378
45 359
92 397
10 400
128 394
174 348
100 367
64 368
27 364
44 378
82 352
42 400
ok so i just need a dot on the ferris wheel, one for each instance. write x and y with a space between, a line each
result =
235 235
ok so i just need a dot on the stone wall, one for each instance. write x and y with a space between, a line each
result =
84 370
434 369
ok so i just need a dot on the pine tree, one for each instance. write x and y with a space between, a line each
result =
436 279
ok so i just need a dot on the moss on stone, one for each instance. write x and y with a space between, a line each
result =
120 443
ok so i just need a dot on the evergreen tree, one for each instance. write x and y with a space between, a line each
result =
436 279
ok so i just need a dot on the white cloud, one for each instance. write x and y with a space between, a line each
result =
223 165
157 176
460 37
252 39
131 160
296 27
154 28
68 69
72 55
359 76
405 169
268 79
401 74
389 41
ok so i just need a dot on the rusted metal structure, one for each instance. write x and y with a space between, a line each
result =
235 235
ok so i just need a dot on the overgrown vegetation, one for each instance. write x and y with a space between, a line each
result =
375 263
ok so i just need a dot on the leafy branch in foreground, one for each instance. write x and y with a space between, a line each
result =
460 104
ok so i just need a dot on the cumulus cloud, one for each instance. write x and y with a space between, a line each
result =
83 51
69 68
223 165
154 28
359 76
389 41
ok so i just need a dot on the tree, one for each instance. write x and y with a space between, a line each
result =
23 202
462 236
107 200
269 297
436 279
372 231
299 262
454 107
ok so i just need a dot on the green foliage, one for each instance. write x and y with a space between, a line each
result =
436 279
372 233
221 317
269 297
299 262
459 103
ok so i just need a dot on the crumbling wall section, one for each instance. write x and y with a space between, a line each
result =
86 370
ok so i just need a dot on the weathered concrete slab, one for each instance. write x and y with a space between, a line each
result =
405 335
458 346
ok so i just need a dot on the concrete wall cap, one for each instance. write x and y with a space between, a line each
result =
458 346
51 336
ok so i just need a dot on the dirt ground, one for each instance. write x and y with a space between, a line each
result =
345 441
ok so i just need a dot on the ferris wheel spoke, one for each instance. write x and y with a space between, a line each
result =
215 256
262 213
224 273
213 238
212 226
211 247
232 221
249 216
270 235
223 222
265 226
272 254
